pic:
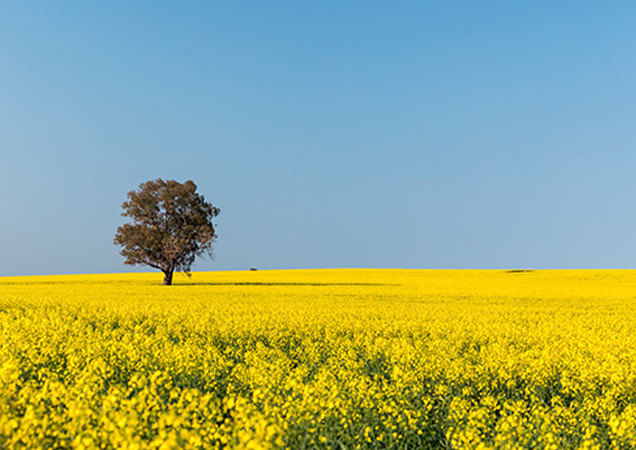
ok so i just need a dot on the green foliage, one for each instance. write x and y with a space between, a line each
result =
171 226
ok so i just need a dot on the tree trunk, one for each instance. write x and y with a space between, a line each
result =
167 280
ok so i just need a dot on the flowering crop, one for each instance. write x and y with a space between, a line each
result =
320 359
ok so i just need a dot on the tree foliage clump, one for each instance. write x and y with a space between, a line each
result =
171 226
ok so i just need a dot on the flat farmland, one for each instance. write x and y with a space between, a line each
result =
342 359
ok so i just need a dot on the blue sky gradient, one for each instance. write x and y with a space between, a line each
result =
330 134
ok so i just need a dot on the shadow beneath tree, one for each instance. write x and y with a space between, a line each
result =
258 283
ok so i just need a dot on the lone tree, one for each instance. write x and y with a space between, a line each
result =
171 226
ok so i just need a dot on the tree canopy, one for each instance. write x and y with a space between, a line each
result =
171 225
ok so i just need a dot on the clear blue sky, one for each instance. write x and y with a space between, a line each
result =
330 134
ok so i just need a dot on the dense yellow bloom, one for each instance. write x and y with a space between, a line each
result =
320 359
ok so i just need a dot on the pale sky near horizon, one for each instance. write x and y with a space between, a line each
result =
330 134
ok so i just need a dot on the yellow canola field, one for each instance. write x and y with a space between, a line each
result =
336 359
